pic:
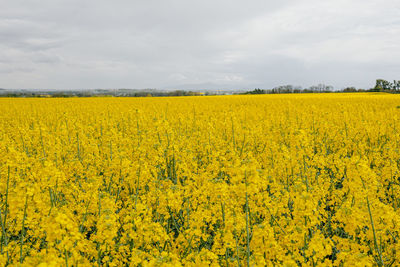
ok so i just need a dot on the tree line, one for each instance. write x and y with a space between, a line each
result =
381 85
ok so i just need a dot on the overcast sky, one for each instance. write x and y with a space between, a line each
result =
228 44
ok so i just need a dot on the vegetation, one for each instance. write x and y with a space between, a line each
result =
99 93
284 180
381 86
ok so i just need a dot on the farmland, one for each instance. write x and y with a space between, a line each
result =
310 179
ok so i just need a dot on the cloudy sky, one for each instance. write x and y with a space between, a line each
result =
228 44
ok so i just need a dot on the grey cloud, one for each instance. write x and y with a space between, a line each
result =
207 44
46 58
10 69
27 35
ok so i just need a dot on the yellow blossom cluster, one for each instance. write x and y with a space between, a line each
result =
271 180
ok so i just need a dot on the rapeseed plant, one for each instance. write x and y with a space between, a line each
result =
293 180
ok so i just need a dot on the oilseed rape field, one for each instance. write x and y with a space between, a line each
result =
270 180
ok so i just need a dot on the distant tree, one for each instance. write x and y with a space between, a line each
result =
396 85
382 85
324 88
256 91
140 94
350 89
286 89
321 88
177 93
282 89
297 89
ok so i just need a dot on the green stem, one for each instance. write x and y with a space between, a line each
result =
380 262
23 230
247 232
